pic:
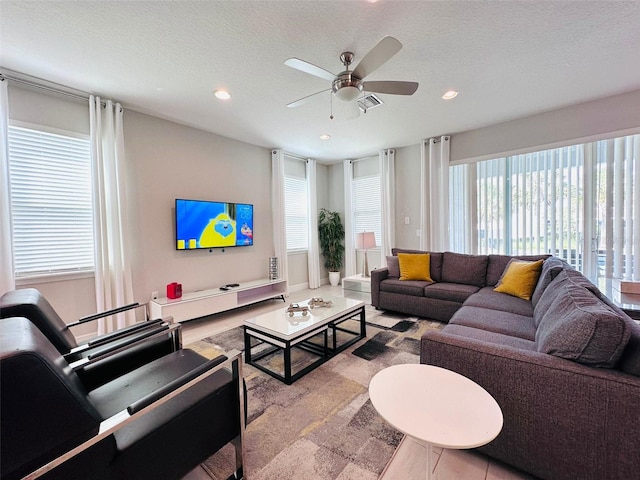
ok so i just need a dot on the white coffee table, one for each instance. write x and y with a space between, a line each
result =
284 332
436 407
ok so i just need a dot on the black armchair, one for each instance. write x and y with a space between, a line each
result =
104 357
158 421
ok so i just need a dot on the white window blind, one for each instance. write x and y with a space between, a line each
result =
51 203
367 206
296 208
580 203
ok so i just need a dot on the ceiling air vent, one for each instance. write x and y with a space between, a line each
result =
368 102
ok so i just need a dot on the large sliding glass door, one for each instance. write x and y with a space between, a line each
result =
580 203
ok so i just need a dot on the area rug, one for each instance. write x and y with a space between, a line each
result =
323 426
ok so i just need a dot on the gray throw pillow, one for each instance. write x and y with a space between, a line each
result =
550 270
393 266
580 327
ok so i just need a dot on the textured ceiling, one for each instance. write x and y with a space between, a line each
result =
508 59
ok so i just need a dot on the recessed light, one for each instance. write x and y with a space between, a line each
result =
325 137
450 94
222 94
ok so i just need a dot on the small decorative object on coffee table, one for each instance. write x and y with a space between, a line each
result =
294 307
436 407
316 302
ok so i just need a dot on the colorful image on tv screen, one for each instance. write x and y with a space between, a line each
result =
201 224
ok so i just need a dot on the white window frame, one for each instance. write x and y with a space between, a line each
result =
62 270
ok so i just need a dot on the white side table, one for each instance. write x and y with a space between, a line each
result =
436 407
357 283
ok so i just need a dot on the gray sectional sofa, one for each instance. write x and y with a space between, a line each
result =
564 367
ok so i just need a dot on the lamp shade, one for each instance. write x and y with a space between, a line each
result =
365 240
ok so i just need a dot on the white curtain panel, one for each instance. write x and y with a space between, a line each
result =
112 232
349 245
435 194
7 277
387 195
314 249
278 217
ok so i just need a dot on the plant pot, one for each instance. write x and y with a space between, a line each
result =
334 278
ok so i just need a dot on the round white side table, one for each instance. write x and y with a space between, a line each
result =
436 407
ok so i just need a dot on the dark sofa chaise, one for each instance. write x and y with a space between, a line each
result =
564 367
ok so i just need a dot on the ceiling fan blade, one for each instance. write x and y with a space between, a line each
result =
351 110
377 56
304 100
309 68
395 88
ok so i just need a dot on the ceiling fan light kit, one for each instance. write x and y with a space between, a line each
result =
348 85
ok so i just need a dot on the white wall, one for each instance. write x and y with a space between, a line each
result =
407 196
168 161
558 127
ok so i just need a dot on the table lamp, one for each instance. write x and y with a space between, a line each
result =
365 241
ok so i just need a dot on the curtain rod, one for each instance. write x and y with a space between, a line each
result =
59 91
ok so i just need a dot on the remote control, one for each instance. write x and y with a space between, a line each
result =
224 288
233 284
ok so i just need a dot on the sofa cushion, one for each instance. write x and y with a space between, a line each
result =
454 292
550 269
436 261
487 298
520 278
490 337
548 297
393 266
578 326
630 360
505 323
497 263
415 266
414 288
464 269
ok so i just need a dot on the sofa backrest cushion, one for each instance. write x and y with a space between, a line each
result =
548 297
465 269
436 261
393 266
497 264
579 326
550 269
520 278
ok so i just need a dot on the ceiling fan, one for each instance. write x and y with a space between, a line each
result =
348 85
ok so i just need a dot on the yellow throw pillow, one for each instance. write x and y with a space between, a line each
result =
415 266
520 278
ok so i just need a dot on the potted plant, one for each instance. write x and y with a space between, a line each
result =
331 237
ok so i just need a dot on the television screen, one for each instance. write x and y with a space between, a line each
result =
202 224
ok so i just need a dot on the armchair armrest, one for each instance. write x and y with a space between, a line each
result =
232 361
107 337
99 352
106 313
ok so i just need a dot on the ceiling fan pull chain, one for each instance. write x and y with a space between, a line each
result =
331 101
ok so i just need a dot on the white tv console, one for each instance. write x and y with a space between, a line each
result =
207 302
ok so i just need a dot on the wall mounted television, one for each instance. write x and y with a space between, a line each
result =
204 224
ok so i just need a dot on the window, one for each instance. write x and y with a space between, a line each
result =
367 206
51 203
580 203
296 213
